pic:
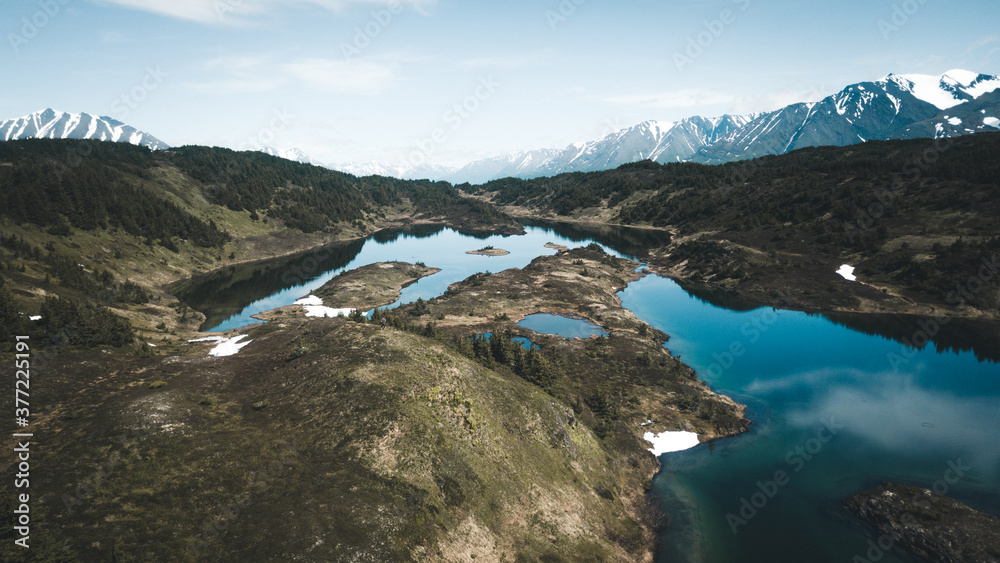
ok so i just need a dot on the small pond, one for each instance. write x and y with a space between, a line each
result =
566 327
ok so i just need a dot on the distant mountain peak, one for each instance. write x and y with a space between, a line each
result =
946 90
53 124
292 154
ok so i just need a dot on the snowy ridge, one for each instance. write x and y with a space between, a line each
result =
52 124
948 90
401 171
899 106
292 154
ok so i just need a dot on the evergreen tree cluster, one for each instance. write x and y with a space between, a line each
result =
499 350
12 322
45 187
100 284
308 198
64 323
69 323
797 187
63 184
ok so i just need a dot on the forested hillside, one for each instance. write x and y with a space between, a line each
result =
87 225
918 216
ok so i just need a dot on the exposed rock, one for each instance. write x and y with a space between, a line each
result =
929 525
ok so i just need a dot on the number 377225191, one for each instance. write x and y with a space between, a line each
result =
22 363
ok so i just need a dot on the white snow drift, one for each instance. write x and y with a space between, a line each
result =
670 441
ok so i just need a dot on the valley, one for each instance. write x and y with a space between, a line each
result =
393 281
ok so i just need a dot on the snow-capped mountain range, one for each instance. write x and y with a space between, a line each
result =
401 171
52 124
899 106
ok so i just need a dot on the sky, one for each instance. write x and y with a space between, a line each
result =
446 82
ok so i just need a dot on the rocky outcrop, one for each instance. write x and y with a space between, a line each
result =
927 524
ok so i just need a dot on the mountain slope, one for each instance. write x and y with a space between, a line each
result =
53 124
507 165
882 110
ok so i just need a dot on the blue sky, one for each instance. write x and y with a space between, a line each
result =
359 80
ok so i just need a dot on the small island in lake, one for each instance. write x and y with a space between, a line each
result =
489 251
927 524
374 285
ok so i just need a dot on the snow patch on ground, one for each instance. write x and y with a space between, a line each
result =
992 122
208 339
35 317
847 272
224 346
314 308
229 347
670 441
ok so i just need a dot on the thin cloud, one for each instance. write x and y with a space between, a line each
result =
237 86
201 11
776 99
687 98
984 41
260 73
342 77
113 37
239 12
510 62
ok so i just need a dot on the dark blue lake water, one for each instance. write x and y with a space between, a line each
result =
836 410
838 406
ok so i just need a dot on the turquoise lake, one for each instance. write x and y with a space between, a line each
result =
839 402
836 410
